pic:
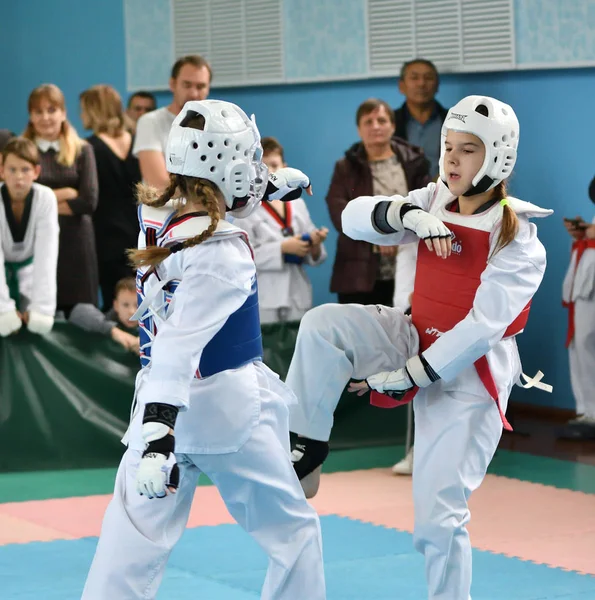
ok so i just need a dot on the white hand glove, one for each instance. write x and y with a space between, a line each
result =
394 381
9 323
39 323
286 184
156 472
416 373
424 224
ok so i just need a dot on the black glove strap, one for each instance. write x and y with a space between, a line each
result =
428 369
272 189
432 375
379 216
397 394
165 445
407 207
156 412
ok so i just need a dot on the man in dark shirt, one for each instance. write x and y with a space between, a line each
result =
419 120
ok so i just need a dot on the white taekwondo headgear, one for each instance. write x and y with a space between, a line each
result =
499 131
227 152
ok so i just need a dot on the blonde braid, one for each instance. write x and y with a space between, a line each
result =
204 189
154 255
148 195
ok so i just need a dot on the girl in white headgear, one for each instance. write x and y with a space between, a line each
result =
204 401
477 270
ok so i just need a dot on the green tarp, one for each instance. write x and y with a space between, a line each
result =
65 399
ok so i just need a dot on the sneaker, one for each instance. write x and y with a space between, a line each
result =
307 457
577 420
583 430
405 466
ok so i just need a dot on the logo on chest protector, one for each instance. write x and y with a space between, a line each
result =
457 247
433 331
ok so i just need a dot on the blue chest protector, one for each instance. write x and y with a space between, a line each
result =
236 344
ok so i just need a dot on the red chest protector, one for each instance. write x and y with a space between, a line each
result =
443 296
579 246
445 289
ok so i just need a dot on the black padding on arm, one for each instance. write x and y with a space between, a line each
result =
379 217
156 412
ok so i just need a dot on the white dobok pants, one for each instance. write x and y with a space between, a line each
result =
457 433
261 491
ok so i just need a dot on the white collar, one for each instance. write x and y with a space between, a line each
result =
45 145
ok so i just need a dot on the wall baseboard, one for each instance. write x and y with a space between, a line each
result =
546 413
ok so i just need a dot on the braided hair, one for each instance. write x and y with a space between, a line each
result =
195 190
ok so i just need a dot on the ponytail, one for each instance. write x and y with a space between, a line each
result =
510 222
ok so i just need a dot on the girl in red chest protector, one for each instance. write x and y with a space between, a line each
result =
479 265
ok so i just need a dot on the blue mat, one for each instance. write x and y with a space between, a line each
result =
363 562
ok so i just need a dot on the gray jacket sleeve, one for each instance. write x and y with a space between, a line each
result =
90 318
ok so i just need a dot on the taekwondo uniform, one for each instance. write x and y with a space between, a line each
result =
578 295
284 289
200 306
29 251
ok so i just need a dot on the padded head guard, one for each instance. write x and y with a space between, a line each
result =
225 151
496 125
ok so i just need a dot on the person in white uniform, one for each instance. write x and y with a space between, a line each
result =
29 237
204 401
284 239
477 270
578 297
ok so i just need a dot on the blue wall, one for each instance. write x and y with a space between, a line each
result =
69 43
76 45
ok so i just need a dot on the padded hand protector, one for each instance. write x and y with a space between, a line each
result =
390 381
416 373
424 224
158 469
286 184
401 216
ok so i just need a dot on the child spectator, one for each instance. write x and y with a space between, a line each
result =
283 238
116 323
29 234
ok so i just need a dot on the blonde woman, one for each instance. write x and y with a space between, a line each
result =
68 167
115 220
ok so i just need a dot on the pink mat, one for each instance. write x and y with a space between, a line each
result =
527 520
515 518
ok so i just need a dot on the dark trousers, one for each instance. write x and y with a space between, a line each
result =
110 272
